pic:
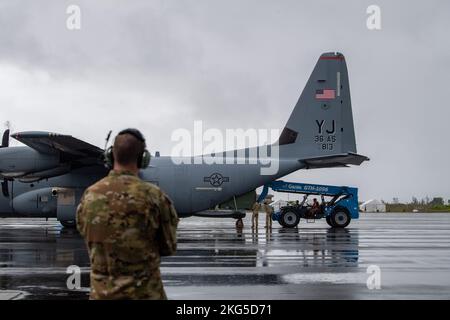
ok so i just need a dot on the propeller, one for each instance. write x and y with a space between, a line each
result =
5 139
107 138
5 144
5 189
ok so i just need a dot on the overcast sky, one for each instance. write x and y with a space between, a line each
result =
161 65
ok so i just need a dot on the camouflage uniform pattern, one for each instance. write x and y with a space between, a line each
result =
269 211
255 212
127 225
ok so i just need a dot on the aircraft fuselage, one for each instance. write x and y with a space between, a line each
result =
192 187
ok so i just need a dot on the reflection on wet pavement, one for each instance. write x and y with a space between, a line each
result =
217 261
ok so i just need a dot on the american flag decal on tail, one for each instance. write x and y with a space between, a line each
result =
325 94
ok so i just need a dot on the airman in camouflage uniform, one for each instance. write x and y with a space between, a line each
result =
127 225
269 211
255 212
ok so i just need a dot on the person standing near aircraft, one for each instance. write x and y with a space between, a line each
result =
127 225
268 209
255 210
239 224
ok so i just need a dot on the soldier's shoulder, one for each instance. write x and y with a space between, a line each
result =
99 186
137 186
157 194
151 188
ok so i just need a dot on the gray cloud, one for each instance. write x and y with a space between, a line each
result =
160 65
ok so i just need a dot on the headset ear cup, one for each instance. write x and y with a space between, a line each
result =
109 158
145 159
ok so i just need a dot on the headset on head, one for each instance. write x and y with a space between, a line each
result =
143 160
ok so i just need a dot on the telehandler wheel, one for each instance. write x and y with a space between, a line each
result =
330 223
289 219
340 218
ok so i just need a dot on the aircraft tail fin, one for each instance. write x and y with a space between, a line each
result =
321 125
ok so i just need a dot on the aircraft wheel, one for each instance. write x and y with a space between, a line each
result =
71 224
238 215
340 218
289 219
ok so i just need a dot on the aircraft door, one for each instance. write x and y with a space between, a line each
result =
67 200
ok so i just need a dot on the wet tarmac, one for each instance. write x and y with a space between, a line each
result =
216 261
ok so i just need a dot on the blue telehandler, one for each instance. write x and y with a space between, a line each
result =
338 211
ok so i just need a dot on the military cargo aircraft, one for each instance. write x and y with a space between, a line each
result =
47 177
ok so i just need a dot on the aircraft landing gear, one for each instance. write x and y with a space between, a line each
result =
70 224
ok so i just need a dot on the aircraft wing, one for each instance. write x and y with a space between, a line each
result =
338 160
70 148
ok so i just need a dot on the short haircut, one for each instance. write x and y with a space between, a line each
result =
127 149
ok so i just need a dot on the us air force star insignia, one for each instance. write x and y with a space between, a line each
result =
216 179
